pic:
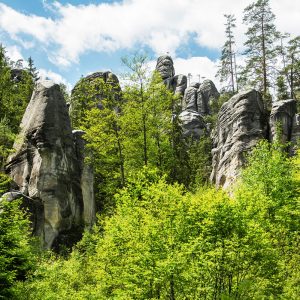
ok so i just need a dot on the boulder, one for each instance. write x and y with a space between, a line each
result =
241 123
193 125
45 165
282 119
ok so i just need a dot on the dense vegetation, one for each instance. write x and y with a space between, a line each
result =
164 242
162 232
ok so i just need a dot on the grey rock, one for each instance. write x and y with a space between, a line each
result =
165 67
45 165
179 84
193 125
189 101
295 136
86 179
206 94
282 119
241 123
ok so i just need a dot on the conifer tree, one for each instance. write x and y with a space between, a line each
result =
292 69
260 45
32 69
227 67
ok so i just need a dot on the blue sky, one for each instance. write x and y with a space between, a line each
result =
71 38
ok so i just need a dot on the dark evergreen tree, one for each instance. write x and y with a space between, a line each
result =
227 68
32 69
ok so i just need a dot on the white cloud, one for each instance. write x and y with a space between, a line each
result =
55 77
161 25
14 53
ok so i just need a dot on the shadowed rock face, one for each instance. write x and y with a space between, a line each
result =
206 94
192 124
281 119
46 165
242 122
199 97
189 100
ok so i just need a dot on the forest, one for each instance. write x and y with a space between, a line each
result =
163 229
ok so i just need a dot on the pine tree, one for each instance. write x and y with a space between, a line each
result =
292 69
261 49
227 68
32 69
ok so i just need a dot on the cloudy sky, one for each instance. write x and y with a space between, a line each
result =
71 38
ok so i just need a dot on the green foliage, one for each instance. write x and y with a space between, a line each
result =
16 252
282 89
199 163
105 143
6 141
163 242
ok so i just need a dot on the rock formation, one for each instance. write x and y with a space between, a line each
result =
192 124
206 94
189 100
242 122
199 97
165 68
47 166
281 119
93 82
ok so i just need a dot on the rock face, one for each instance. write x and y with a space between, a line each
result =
193 125
282 119
165 68
47 165
206 94
92 81
295 136
199 97
189 100
242 122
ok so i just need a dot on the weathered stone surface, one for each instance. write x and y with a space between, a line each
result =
242 122
206 94
165 67
179 84
192 124
189 101
282 119
45 165
295 137
86 179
